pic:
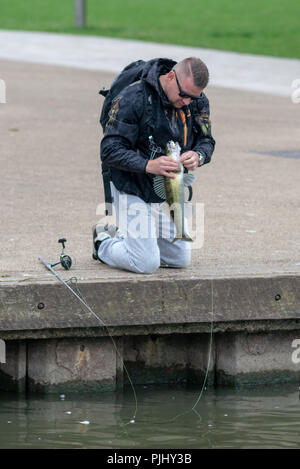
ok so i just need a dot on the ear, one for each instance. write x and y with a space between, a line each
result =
170 76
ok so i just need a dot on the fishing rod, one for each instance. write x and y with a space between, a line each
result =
66 262
64 259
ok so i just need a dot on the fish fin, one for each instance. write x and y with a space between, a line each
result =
159 186
188 179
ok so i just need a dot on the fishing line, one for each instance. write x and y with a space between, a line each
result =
193 408
132 420
83 302
210 346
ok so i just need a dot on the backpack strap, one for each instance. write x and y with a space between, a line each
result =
147 117
147 120
107 189
104 92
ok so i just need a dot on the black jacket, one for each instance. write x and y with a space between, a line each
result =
134 134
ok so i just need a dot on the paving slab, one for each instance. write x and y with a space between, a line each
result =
51 184
50 187
243 281
228 69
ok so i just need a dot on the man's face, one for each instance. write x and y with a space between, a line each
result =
181 90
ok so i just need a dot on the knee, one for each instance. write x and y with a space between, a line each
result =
184 259
148 266
146 263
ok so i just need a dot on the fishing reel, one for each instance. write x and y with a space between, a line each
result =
64 259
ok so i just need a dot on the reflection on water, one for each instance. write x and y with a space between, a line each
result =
252 418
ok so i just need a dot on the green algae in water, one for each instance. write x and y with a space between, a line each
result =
247 418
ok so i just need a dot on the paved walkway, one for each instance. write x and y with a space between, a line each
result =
50 182
228 69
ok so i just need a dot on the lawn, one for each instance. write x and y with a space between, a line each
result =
268 27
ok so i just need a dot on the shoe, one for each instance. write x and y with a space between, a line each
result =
102 232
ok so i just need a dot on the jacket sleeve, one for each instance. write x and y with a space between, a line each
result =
118 146
204 143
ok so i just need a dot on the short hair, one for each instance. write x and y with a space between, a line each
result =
195 67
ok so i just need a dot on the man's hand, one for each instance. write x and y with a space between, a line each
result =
190 160
162 165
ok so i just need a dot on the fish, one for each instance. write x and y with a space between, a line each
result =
172 189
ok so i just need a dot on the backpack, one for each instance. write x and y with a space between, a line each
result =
130 74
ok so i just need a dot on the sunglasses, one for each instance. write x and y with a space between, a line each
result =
182 93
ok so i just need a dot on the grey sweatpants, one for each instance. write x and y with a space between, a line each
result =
148 232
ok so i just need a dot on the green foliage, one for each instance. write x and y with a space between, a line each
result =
268 27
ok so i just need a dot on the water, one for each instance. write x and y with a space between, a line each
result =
260 417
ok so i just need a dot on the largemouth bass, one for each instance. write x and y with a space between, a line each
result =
172 189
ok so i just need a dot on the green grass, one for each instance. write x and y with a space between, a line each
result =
268 27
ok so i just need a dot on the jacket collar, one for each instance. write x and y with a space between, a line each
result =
152 73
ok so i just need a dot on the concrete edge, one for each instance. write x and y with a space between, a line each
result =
44 310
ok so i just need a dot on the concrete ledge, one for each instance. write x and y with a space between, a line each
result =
101 364
249 359
60 365
160 330
169 359
13 371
